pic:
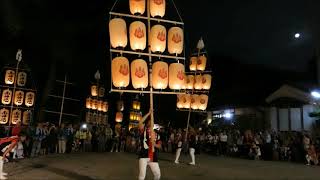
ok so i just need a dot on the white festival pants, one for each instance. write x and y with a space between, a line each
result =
191 151
154 166
62 146
178 152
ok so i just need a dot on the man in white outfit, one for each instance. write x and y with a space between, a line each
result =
148 155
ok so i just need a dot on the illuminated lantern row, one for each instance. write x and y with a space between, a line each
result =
175 40
139 74
120 72
198 63
158 37
160 75
176 76
18 98
95 104
157 8
22 79
136 105
196 102
4 116
137 6
135 116
96 118
138 36
203 82
118 33
9 77
6 97
16 116
119 117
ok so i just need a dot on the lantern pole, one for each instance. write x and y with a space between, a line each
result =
150 77
63 94
18 58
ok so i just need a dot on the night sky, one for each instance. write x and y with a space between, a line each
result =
251 43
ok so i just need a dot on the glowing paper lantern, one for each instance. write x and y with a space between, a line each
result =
9 77
137 6
206 81
120 106
119 117
94 90
157 8
18 98
180 101
22 79
118 33
195 102
4 116
190 82
136 105
158 37
6 97
175 40
176 76
120 72
138 36
100 105
16 116
88 103
139 74
94 104
198 82
102 91
29 101
131 117
160 75
203 102
186 101
193 63
26 118
105 106
202 62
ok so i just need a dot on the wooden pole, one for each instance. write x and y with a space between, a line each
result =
63 97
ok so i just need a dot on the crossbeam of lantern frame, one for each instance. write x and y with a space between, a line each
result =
147 50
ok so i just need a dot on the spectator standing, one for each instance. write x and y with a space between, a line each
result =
37 139
70 135
62 138
52 139
44 142
223 143
109 134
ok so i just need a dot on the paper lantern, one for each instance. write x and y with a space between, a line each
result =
9 77
22 79
186 101
100 105
120 72
180 101
138 36
136 105
29 101
118 33
139 117
4 116
88 103
190 82
88 117
131 117
158 37
94 104
198 82
137 6
18 98
120 106
102 91
6 97
26 118
105 106
160 75
157 8
202 62
16 116
139 74
176 76
175 40
195 101
193 63
119 117
206 81
203 102
94 90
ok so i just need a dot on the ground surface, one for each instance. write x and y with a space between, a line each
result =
123 166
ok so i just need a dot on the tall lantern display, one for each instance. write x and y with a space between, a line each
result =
175 40
120 72
4 116
176 76
22 79
9 77
160 75
6 97
137 6
139 74
118 33
158 37
138 36
18 98
157 8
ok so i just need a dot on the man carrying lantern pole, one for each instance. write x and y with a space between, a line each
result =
148 155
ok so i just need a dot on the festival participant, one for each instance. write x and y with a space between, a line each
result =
149 151
178 141
6 146
192 146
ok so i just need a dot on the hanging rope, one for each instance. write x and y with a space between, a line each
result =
177 10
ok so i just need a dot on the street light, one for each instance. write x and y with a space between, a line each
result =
297 35
315 94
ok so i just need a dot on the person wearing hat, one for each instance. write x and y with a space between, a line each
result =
148 155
